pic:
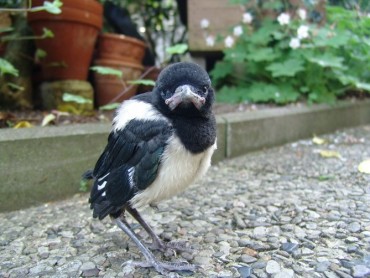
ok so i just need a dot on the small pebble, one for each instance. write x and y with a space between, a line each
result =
354 227
247 259
322 266
285 273
245 271
307 252
259 265
272 267
359 271
351 239
289 247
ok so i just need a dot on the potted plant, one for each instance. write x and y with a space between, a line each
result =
75 31
149 20
119 48
17 50
122 53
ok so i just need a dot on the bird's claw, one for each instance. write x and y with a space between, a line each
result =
181 246
165 268
173 246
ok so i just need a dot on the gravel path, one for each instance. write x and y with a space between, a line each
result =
281 212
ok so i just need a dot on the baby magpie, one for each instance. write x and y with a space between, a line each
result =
160 143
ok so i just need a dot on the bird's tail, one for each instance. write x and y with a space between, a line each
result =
88 175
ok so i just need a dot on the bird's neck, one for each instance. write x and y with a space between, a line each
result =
197 134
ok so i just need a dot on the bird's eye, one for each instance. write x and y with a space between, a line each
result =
205 89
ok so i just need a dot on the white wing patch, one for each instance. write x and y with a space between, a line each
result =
179 168
131 172
102 178
135 109
102 186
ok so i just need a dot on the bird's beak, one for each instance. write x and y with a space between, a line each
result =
185 94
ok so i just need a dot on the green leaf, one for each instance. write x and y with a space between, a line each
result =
40 53
339 39
327 60
287 68
263 92
235 54
7 68
321 95
15 86
231 94
363 86
221 70
180 48
6 29
53 7
262 54
107 71
331 38
345 78
145 82
75 98
47 33
84 185
110 106
263 36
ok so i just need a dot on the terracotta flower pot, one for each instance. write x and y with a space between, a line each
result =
5 23
108 87
75 30
120 47
152 74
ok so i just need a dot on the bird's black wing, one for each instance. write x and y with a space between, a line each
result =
128 164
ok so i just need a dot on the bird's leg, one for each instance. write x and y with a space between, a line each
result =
151 261
157 243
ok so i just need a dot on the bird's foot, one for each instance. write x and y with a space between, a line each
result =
164 268
174 246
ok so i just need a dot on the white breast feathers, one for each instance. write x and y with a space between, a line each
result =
179 168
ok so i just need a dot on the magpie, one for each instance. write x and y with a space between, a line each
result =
160 143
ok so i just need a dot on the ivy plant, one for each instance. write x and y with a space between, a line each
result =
53 7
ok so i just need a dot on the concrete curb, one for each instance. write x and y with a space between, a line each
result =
39 165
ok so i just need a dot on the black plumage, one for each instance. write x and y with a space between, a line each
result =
138 147
160 143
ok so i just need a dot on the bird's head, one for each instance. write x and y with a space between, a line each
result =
184 88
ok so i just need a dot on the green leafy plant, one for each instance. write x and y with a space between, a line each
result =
47 33
119 74
157 21
107 70
84 185
179 49
67 97
7 68
52 7
288 56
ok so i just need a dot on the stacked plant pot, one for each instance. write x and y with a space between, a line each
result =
122 53
69 52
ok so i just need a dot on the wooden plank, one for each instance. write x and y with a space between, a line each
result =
221 15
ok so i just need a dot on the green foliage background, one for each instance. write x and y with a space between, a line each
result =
333 60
